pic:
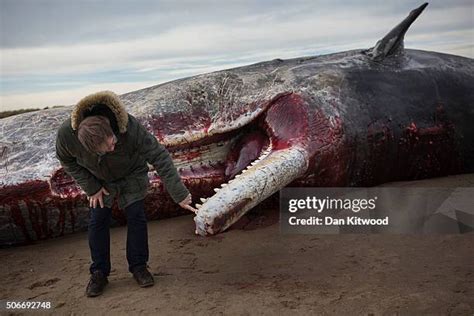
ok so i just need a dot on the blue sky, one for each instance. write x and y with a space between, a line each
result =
54 52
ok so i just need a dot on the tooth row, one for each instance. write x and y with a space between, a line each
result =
253 163
263 155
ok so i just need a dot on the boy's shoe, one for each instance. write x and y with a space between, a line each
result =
143 277
97 283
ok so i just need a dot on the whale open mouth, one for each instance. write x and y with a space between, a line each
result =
233 172
270 172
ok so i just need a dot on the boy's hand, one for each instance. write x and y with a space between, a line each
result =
97 198
186 203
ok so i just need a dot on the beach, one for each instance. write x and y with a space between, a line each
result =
253 268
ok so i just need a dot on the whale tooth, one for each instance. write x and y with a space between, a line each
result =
203 200
223 184
198 205
216 190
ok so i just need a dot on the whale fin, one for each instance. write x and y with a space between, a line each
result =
392 43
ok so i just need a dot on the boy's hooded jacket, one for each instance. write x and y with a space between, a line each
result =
123 171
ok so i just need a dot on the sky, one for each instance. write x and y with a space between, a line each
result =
54 52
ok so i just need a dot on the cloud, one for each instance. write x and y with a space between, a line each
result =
211 39
56 49
64 97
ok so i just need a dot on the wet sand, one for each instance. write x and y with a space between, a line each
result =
254 269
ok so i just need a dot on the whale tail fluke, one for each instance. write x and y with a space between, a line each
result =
392 43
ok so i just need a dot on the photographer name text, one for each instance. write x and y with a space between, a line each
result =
328 221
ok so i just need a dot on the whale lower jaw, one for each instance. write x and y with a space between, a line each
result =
266 175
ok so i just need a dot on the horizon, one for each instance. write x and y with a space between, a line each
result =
61 52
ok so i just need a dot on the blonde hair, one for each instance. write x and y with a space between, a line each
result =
93 131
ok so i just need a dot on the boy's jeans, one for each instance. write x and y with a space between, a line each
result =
137 237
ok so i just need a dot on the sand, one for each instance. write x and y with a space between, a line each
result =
253 269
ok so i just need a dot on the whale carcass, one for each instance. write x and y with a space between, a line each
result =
237 136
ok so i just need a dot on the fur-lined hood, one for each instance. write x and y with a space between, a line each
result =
104 103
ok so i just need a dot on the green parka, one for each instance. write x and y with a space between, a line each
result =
123 172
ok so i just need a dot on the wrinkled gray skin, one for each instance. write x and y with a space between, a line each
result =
351 123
